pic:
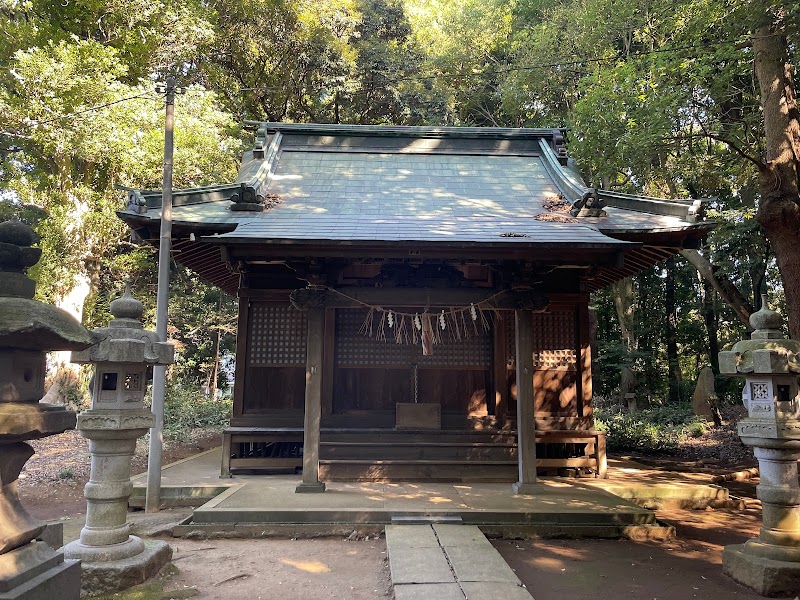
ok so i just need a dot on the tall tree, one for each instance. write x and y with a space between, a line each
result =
779 167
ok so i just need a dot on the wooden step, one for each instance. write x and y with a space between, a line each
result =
418 470
419 436
409 451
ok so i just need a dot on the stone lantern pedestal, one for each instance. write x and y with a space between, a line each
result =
111 558
770 365
29 569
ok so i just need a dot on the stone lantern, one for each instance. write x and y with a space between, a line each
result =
111 558
29 569
770 365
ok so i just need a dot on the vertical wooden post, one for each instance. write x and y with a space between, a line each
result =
526 425
313 402
498 406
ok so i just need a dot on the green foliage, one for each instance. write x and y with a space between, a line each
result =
650 431
186 409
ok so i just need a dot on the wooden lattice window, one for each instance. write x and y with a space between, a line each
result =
354 349
475 352
277 336
554 343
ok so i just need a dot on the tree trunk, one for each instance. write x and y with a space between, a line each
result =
63 378
710 317
725 288
671 333
758 273
779 209
624 305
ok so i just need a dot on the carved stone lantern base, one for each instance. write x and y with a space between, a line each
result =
770 563
111 559
109 576
766 576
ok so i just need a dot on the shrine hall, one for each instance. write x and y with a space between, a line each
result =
413 301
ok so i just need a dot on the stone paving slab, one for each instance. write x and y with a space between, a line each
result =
458 535
476 570
476 563
430 591
419 565
412 536
494 591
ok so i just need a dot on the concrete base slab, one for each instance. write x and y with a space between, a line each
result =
37 572
310 488
525 489
429 591
494 591
108 577
765 576
426 519
177 496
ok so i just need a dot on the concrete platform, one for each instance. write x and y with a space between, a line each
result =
263 505
192 481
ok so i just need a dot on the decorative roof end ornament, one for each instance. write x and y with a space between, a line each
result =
697 211
246 200
135 203
559 145
590 205
258 149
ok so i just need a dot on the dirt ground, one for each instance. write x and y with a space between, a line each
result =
280 569
51 484
689 567
686 568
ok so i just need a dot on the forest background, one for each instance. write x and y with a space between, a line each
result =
669 98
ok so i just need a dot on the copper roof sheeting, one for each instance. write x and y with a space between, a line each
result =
458 187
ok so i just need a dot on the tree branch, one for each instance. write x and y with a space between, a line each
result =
729 292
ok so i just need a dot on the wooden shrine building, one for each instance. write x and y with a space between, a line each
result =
413 301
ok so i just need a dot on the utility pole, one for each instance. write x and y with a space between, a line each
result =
153 497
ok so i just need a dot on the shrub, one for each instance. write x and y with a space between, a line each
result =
187 409
650 431
696 429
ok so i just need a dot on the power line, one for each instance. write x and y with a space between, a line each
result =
88 110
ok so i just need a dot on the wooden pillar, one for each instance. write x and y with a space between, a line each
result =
313 403
526 425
